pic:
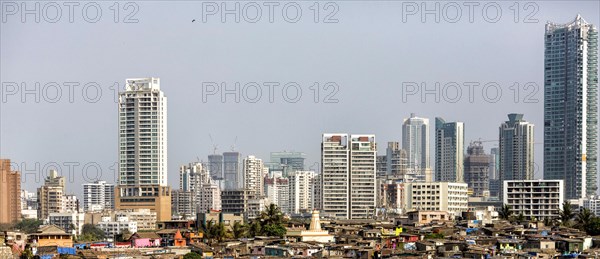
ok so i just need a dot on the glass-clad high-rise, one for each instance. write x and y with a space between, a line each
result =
570 106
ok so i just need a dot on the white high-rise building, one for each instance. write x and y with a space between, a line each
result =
335 177
571 106
363 155
449 151
142 133
253 172
98 196
539 199
516 150
205 193
415 140
143 148
348 175
302 185
436 196
277 190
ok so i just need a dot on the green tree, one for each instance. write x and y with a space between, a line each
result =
584 218
254 228
26 254
192 255
271 215
593 228
271 221
238 230
505 212
566 214
219 231
89 232
207 229
28 225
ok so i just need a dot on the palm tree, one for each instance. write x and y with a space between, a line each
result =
505 212
255 228
207 229
584 217
219 231
271 215
566 214
238 230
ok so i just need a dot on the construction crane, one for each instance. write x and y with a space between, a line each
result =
234 142
213 144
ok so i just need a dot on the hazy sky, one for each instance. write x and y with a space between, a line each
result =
373 52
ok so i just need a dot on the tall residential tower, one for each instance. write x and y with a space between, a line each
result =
571 106
516 150
143 148
449 151
415 140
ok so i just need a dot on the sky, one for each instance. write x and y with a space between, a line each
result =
348 66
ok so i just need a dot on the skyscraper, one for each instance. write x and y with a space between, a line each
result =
348 175
363 153
449 151
215 166
232 171
415 140
10 193
494 172
571 106
477 166
143 148
335 178
516 150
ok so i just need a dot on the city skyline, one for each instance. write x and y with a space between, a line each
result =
191 144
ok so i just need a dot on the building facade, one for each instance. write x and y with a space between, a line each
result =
348 166
98 196
253 174
516 149
293 160
571 106
143 148
215 166
10 189
232 172
301 191
415 140
277 190
436 196
449 151
71 222
539 199
592 203
363 153
50 195
477 166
